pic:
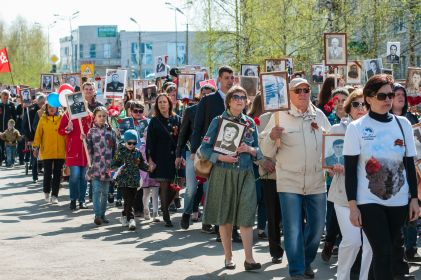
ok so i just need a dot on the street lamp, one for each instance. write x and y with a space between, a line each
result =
139 74
176 9
70 18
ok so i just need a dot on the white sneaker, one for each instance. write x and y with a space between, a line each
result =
123 221
54 199
146 214
47 197
132 224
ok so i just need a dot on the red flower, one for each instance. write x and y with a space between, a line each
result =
372 166
399 142
113 111
186 101
257 121
327 108
200 180
414 100
119 120
174 187
175 130
314 125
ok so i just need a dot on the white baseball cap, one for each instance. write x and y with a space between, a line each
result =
296 82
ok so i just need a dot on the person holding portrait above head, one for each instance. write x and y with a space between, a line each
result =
47 83
380 175
393 57
160 66
229 135
299 175
78 106
231 197
374 69
334 51
72 81
115 85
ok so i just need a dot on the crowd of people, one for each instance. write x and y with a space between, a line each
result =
363 208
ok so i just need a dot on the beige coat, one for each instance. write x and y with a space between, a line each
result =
298 159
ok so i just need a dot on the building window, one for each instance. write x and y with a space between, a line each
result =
92 51
81 50
66 51
107 50
147 53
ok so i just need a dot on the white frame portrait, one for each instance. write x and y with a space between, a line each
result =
112 93
220 135
186 86
327 147
163 72
313 69
44 89
397 58
411 88
72 113
138 86
78 80
353 79
367 67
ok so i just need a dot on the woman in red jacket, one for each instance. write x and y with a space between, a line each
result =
76 158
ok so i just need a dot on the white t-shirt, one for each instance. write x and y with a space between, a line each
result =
381 173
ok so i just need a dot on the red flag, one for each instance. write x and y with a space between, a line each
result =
4 61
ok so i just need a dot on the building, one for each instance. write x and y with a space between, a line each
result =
106 47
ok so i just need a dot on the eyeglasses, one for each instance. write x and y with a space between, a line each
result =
137 111
239 97
131 143
356 104
382 96
301 90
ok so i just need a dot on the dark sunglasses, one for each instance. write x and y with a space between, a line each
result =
301 90
140 111
382 96
239 97
131 143
356 104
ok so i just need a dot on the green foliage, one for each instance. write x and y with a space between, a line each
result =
27 50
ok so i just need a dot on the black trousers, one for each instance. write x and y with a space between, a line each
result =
273 211
138 200
128 196
34 163
198 198
382 225
52 175
332 226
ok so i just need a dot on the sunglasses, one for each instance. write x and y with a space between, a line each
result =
301 90
131 143
382 96
137 111
239 97
356 104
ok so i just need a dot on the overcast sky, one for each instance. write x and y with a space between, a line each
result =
153 15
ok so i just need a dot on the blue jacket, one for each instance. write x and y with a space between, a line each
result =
250 137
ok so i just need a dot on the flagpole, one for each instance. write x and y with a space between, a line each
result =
11 76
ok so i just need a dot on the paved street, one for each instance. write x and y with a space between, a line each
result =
40 241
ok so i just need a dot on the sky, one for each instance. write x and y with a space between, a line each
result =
152 15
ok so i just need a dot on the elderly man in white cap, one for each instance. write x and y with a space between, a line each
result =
296 144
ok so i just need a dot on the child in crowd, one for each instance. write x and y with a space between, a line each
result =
129 160
11 137
150 187
102 143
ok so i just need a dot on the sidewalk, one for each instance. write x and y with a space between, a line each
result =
41 241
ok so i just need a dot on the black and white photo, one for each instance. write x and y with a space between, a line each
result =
229 137
372 67
413 81
393 52
160 68
149 94
138 86
335 49
73 79
250 84
332 150
250 70
26 96
275 96
47 82
353 74
76 105
275 65
115 80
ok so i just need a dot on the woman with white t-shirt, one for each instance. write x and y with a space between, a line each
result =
351 235
380 176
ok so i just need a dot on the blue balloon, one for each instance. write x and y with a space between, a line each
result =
52 100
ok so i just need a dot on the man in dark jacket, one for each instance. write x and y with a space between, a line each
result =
185 136
7 112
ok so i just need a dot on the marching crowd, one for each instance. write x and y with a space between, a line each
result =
364 208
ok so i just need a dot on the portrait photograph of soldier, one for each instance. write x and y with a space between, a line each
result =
413 81
73 80
160 68
335 48
353 75
26 96
333 145
149 94
47 82
373 67
76 105
229 137
115 83
250 70
393 52
274 91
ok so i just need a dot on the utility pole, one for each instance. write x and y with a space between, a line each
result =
187 43
139 72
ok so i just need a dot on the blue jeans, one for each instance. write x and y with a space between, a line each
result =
77 183
10 155
261 206
99 196
191 185
301 243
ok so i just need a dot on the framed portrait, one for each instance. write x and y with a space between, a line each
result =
57 81
387 71
200 77
76 105
126 124
275 65
275 95
335 49
413 81
115 83
372 67
73 79
416 128
159 66
317 73
149 94
138 86
47 82
26 96
185 86
393 52
229 137
252 70
250 84
332 150
353 73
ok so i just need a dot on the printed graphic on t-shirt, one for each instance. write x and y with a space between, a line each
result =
385 177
